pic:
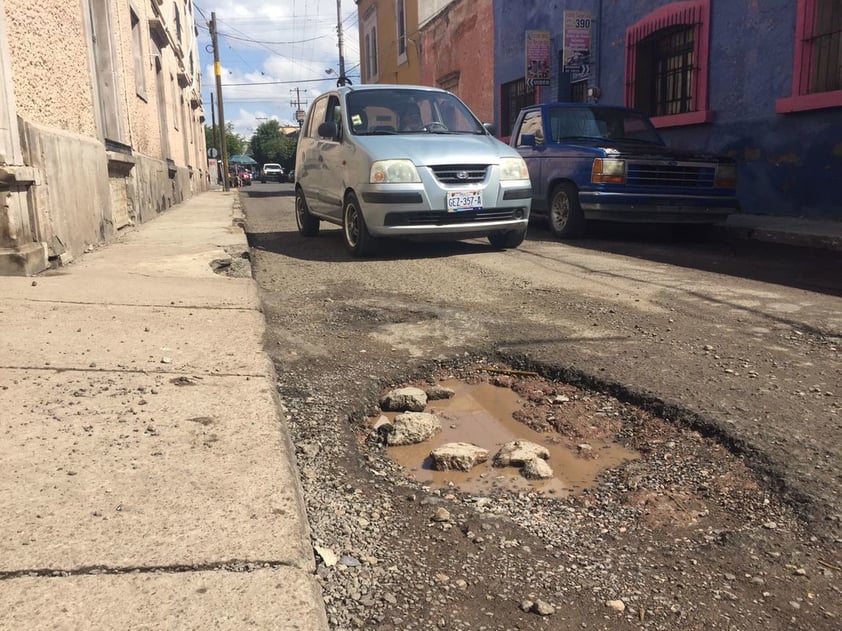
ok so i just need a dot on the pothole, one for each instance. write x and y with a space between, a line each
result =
617 462
491 409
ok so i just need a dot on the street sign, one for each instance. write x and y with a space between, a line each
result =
213 153
576 57
538 44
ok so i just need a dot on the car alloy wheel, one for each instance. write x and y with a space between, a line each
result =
357 239
566 218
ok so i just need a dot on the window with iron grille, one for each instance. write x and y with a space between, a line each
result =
579 91
817 67
513 97
667 64
826 44
664 81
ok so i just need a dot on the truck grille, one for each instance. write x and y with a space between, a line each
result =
450 173
678 175
443 218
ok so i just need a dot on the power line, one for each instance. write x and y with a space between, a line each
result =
257 41
277 82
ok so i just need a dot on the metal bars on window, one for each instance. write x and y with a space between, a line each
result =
666 81
513 97
826 44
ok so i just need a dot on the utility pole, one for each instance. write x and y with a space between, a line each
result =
215 139
217 70
342 80
298 104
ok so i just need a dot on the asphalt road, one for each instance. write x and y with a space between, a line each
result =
740 342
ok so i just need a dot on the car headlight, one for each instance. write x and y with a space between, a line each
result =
393 172
608 171
513 169
726 176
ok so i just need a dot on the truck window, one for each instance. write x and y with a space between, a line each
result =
573 123
533 123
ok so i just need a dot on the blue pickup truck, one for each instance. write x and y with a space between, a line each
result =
591 162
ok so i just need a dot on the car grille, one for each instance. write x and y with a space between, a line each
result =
450 173
660 174
443 218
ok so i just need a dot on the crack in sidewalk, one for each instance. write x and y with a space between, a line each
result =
233 565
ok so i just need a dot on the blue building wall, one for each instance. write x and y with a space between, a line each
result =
790 164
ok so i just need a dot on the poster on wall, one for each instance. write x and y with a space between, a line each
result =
577 43
537 58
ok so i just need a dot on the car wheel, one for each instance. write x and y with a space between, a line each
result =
507 239
357 239
308 225
566 218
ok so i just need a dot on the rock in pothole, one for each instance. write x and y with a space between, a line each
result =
404 400
536 469
458 457
411 428
516 453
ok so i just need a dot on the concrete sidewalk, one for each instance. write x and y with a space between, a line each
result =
148 478
807 233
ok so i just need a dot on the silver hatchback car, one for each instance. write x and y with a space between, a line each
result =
406 161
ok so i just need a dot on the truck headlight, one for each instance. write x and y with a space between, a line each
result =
513 169
726 176
608 171
393 172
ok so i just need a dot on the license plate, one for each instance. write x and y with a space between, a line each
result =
458 201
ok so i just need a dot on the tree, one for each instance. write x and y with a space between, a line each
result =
270 144
235 144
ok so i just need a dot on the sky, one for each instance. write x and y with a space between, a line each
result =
272 55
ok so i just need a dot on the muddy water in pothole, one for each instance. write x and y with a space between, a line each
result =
482 414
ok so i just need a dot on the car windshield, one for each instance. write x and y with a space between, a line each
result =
601 123
409 111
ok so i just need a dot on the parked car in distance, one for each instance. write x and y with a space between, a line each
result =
593 162
271 171
239 175
406 161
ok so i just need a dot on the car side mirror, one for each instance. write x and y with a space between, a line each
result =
490 128
527 139
329 129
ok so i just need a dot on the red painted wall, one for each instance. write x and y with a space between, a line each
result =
459 42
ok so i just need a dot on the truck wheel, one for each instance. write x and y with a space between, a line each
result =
566 218
357 239
507 239
308 225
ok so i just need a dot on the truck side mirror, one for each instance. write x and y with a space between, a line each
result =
527 139
329 129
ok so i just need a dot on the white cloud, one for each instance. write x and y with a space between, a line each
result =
273 53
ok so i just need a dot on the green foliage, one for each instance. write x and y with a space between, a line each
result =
235 144
269 144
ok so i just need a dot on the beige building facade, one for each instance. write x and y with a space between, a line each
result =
101 122
390 46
